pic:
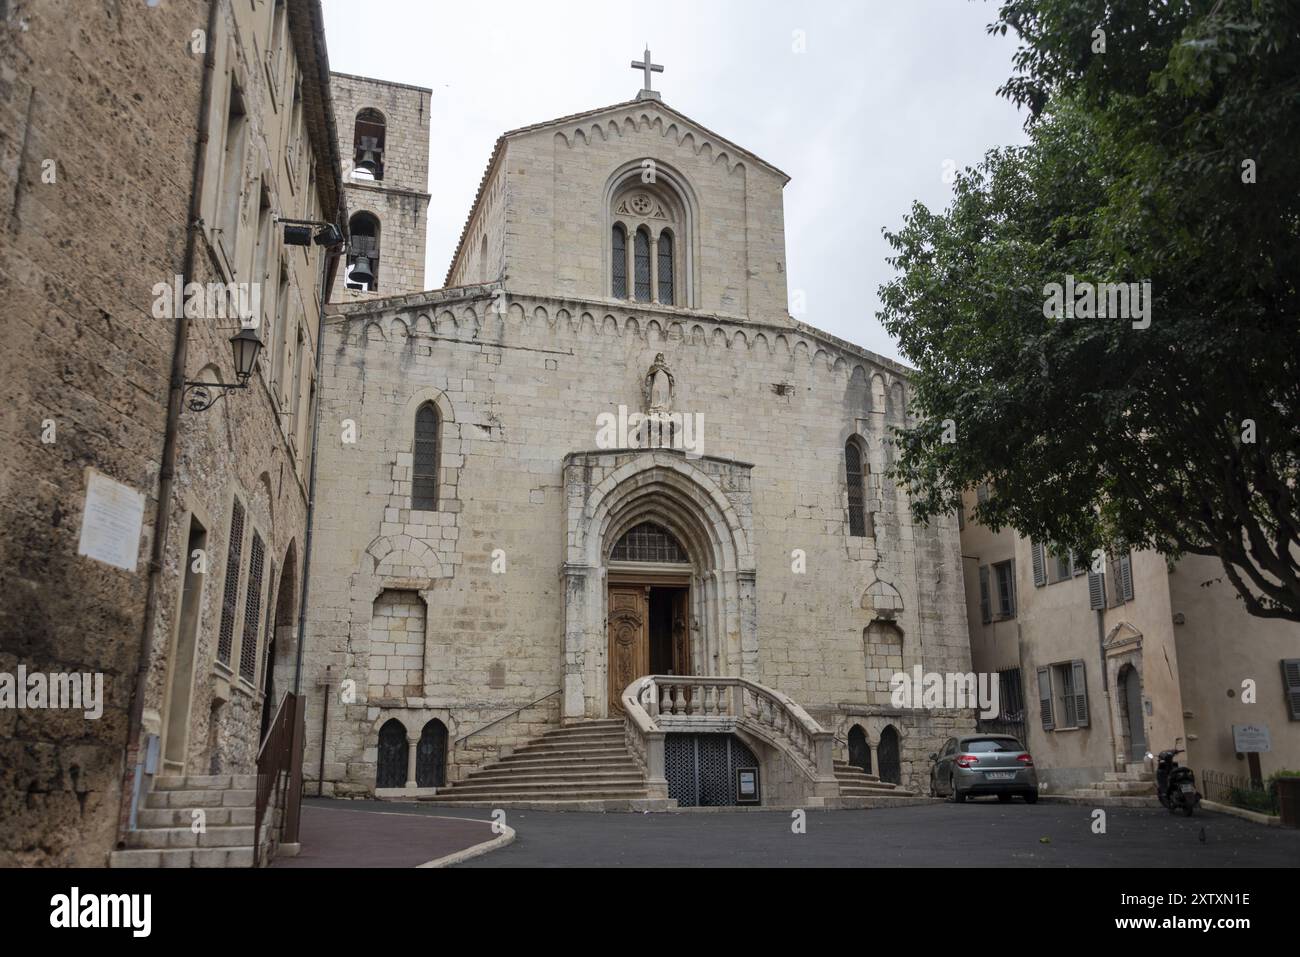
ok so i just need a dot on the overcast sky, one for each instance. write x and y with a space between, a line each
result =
863 120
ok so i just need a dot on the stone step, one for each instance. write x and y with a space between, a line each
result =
233 797
492 777
548 751
539 796
173 837
858 776
205 782
582 738
184 857
1120 787
557 767
549 784
577 763
183 817
1129 776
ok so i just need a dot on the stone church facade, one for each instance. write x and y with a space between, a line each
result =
489 512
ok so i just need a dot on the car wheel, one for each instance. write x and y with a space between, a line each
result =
1031 797
1004 798
958 796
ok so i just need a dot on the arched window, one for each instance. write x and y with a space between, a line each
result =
618 262
431 756
363 252
482 261
390 771
649 542
666 267
859 749
368 146
642 265
425 460
855 475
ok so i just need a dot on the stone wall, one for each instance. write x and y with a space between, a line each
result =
519 392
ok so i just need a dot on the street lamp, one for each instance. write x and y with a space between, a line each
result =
246 347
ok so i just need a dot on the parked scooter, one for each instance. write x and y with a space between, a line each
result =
1175 785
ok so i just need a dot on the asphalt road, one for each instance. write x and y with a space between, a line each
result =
977 834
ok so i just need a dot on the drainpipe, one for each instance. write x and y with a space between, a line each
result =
167 469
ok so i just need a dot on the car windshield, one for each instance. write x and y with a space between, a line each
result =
985 745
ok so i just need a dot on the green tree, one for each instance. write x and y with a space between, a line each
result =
1164 148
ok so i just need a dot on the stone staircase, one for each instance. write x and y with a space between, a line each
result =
165 836
854 782
1135 786
580 766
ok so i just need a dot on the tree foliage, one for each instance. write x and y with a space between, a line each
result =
1173 157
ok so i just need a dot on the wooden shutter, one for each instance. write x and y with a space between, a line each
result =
1045 698
1291 686
1080 694
1040 563
986 610
1096 590
1124 583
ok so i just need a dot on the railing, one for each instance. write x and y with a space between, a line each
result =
1242 792
279 772
658 704
496 721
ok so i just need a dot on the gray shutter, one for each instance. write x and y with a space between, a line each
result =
986 613
1045 698
1077 566
1037 550
1080 695
1291 686
1011 589
1096 590
1125 581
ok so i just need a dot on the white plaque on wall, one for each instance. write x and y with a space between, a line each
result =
1251 739
112 522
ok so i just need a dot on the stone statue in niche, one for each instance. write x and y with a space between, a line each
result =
659 385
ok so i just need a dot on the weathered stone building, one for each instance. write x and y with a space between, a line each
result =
145 539
497 555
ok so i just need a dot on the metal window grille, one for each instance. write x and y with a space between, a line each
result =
649 543
666 268
620 263
230 597
252 610
641 256
857 496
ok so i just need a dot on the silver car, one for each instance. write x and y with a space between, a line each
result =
983 764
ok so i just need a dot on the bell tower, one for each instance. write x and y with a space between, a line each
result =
383 136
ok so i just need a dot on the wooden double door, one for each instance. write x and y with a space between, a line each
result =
649 634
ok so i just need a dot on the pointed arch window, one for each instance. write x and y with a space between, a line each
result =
855 472
425 460
666 268
618 258
649 542
641 260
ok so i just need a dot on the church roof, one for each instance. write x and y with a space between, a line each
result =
575 117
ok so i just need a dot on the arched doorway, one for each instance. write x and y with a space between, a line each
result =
890 766
280 647
1131 718
431 756
390 770
859 749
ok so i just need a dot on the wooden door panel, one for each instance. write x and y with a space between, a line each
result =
629 642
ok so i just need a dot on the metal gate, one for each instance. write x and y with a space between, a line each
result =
701 768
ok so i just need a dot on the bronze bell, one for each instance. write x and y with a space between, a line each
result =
361 272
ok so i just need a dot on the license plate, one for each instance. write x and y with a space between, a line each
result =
1186 788
1001 775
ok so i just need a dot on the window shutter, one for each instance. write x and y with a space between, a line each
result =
1096 590
986 611
1077 566
1045 698
1011 585
1040 563
1125 582
1291 686
1080 695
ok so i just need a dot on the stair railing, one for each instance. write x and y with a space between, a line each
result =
279 772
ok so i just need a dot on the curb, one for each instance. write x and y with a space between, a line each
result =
1255 817
507 836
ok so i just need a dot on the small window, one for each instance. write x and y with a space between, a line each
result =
230 595
1063 694
854 476
666 268
1005 577
618 257
424 471
641 265
252 611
